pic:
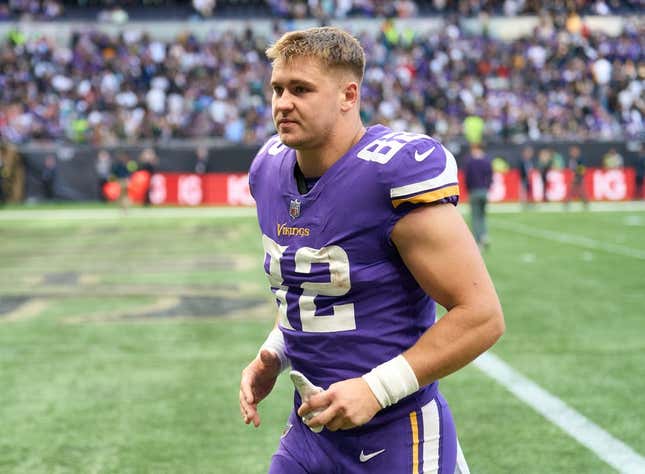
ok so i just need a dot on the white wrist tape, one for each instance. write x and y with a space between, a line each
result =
275 343
391 381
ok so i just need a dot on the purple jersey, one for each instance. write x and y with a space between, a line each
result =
346 301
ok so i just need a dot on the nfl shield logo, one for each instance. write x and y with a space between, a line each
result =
294 208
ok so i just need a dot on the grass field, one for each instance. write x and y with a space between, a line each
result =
122 339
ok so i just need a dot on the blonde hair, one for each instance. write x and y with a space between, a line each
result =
334 47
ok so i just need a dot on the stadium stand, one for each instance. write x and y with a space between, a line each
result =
150 9
78 77
563 81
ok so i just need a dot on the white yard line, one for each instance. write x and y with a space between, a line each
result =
116 214
558 207
611 450
577 240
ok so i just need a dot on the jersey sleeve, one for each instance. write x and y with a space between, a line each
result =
416 169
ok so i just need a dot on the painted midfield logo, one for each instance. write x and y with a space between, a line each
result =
294 208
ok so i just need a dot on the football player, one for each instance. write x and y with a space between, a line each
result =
361 238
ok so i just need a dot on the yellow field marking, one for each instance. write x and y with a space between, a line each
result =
162 304
88 280
34 279
28 310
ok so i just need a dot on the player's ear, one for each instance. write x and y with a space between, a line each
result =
350 95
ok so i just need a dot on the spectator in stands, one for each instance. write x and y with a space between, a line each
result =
12 173
48 177
612 159
544 164
114 14
103 169
557 160
479 177
2 180
204 7
148 162
640 176
121 171
32 9
578 170
526 169
201 163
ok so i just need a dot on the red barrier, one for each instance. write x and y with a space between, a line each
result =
232 189
193 189
137 187
599 185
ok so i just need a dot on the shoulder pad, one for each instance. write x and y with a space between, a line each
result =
415 168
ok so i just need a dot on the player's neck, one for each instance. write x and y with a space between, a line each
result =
314 162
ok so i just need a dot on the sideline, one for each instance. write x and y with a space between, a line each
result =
564 238
611 450
559 207
132 214
229 212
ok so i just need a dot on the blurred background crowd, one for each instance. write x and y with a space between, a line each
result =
563 81
121 10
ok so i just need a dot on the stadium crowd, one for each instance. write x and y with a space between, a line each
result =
562 82
185 9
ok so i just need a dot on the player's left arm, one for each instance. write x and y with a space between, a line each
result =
440 252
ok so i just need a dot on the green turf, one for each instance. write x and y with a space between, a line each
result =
95 377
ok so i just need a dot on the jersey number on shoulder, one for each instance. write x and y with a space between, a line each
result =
342 317
273 146
384 148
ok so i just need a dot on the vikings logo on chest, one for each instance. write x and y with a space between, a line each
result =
294 208
285 229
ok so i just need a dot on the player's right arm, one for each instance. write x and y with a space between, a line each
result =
259 377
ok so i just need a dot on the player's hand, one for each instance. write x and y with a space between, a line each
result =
344 405
258 379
